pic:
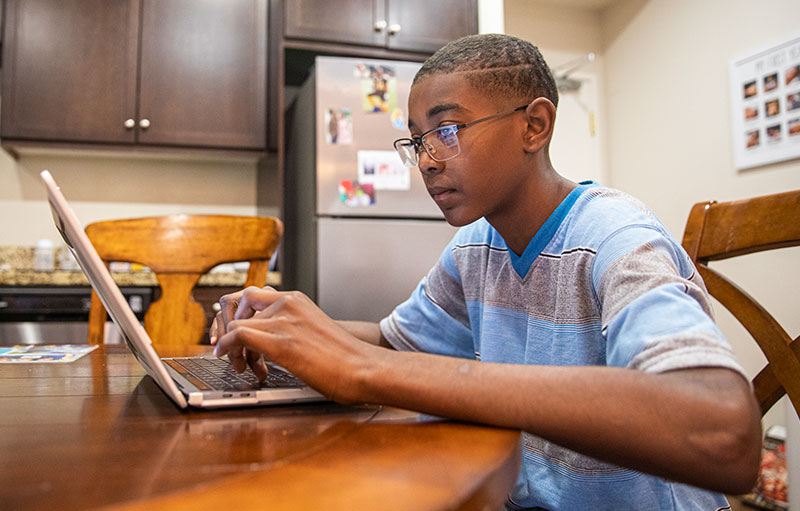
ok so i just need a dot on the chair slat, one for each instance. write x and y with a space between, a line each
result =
767 388
770 336
742 227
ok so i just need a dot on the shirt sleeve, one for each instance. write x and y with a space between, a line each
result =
434 319
656 313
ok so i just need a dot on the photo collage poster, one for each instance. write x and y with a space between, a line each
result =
765 99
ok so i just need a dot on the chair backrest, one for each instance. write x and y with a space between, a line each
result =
716 231
179 249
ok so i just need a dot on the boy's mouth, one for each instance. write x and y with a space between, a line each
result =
440 193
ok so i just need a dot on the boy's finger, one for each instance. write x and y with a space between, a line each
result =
256 363
254 300
234 345
228 304
213 332
242 305
236 358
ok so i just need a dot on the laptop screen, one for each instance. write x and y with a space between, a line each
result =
107 290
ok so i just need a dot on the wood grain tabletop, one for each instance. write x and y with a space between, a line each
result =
99 433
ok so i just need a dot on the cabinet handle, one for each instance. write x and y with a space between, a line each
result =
394 28
144 124
130 123
380 25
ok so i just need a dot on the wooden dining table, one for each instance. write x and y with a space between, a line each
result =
98 433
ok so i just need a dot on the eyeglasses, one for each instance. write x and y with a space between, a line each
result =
440 143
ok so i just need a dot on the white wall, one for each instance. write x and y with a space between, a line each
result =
107 186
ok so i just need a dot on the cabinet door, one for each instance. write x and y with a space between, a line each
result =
426 26
70 70
340 21
203 73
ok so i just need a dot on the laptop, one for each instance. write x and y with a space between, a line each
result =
203 382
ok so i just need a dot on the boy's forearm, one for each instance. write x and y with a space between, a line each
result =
365 331
698 426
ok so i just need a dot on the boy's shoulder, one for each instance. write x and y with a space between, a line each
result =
609 205
600 212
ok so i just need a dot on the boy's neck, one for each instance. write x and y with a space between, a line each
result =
542 198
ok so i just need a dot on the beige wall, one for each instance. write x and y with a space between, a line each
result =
106 186
663 65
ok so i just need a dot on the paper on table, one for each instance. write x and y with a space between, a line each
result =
43 353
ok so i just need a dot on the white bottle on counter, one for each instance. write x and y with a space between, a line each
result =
65 260
43 257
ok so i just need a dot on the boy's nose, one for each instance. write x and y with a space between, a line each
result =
428 165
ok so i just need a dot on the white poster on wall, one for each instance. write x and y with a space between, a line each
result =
765 101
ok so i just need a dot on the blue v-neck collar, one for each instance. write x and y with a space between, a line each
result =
522 263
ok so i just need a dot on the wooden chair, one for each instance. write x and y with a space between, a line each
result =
716 231
179 249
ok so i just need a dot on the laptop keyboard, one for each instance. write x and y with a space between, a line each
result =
217 374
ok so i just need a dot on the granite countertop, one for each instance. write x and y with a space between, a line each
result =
17 269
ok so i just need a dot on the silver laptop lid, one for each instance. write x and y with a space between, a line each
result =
95 270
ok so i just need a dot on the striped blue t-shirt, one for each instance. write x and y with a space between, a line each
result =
604 283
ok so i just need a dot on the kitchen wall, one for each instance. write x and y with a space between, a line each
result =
663 71
104 186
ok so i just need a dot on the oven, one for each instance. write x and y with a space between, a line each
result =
56 314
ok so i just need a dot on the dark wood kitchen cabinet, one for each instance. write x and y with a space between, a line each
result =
182 73
406 25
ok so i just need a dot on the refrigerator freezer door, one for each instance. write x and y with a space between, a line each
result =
368 267
339 86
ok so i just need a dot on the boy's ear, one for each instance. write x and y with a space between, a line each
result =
541 117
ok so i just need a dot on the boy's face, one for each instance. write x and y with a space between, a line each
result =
486 179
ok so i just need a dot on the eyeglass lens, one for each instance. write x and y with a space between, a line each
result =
441 144
407 150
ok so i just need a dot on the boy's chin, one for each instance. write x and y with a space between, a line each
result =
457 218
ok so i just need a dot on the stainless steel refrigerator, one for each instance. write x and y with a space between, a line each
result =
360 229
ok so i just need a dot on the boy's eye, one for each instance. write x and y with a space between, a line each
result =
447 135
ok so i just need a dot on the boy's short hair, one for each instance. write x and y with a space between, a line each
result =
495 64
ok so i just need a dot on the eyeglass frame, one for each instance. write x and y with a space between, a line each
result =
419 144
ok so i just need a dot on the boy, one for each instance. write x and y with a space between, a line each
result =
586 323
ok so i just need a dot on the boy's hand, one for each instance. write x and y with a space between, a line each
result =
240 305
294 333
